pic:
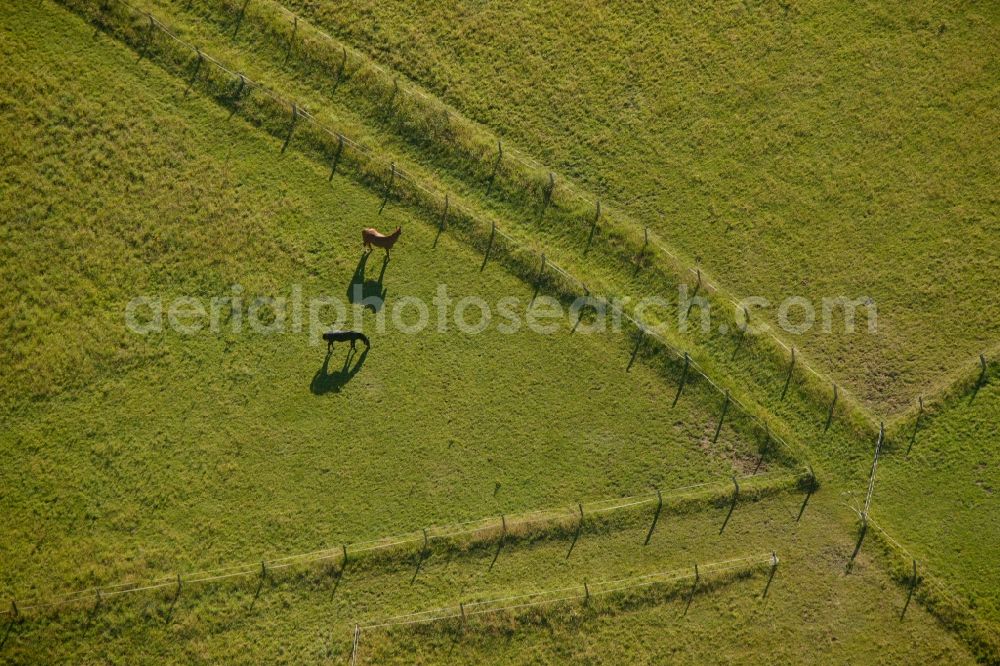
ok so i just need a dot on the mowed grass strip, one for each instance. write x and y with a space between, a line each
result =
811 610
134 456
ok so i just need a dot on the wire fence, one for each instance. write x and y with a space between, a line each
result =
593 588
502 526
412 92
583 591
990 632
562 184
442 199
439 200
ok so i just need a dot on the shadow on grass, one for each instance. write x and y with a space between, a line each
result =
857 548
732 507
325 381
802 509
770 577
368 293
6 635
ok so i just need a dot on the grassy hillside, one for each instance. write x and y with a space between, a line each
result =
807 149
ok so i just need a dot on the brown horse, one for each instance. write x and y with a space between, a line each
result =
371 237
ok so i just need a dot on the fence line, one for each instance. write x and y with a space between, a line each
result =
475 218
245 569
579 592
411 91
927 577
567 185
595 588
432 532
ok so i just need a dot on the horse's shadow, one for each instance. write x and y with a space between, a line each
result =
367 293
325 381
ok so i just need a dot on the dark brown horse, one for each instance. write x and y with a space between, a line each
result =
345 336
371 237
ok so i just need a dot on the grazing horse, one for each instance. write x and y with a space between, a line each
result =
345 336
371 237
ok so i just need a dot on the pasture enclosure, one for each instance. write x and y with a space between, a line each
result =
225 493
820 145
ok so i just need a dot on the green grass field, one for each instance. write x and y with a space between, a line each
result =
131 458
820 150
215 417
941 495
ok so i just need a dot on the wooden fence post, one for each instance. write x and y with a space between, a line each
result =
388 188
656 517
642 252
722 417
593 227
694 586
538 280
697 288
548 193
909 594
149 34
343 562
340 70
197 68
579 315
395 92
354 646
444 214
336 156
982 378
489 246
638 344
684 374
871 480
586 593
239 18
291 127
238 95
788 379
291 38
743 332
916 423
461 607
833 403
